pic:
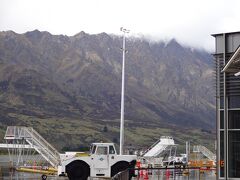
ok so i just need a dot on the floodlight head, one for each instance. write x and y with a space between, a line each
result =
237 74
124 30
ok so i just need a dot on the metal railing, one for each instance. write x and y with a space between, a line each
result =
43 147
210 155
28 136
196 173
205 151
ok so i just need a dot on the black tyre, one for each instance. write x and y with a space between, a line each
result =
78 170
118 167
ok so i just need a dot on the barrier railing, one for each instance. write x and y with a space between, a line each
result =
19 138
196 173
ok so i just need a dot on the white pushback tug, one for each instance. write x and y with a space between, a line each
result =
103 161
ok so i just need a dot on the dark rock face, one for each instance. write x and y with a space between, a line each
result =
79 77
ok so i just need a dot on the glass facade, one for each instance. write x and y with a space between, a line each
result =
234 102
221 160
234 154
234 119
227 107
222 120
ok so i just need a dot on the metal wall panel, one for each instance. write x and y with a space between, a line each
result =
219 44
233 41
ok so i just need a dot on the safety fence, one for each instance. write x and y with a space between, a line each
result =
187 173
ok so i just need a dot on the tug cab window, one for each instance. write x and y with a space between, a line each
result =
92 149
102 150
111 150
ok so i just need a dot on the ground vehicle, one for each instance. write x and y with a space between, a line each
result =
102 161
176 161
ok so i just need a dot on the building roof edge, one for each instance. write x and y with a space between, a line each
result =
218 34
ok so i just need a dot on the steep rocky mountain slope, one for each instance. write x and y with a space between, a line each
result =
69 87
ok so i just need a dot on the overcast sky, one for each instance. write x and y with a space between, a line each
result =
189 21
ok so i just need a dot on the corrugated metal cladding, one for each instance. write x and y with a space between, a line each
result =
227 107
232 42
226 45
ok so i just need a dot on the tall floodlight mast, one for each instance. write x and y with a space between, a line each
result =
122 93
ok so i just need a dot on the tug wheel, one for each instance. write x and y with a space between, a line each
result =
78 170
118 167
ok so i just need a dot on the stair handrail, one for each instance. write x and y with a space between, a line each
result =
36 141
209 154
151 147
163 148
45 155
39 137
44 144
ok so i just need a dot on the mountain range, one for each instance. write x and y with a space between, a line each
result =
69 88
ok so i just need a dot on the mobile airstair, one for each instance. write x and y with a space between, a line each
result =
24 144
205 151
161 145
